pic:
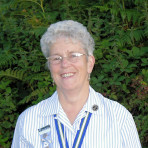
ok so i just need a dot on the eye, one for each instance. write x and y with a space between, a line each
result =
55 58
73 55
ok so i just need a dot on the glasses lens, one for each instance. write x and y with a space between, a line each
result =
74 57
55 59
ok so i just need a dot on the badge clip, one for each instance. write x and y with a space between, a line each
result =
45 133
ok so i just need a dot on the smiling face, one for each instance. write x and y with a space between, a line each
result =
67 75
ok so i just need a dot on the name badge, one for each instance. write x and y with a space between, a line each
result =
45 133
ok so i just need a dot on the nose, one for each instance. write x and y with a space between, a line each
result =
65 62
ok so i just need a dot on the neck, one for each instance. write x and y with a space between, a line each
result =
73 101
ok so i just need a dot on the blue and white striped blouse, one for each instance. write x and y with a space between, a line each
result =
110 125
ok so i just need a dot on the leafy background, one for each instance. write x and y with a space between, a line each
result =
120 31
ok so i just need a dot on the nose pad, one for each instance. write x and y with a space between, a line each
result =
65 61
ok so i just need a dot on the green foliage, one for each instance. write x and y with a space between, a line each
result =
120 30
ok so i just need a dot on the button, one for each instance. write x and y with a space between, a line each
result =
95 107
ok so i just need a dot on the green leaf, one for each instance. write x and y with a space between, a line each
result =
136 51
124 63
144 61
98 54
8 90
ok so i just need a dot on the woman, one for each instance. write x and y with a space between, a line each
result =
75 115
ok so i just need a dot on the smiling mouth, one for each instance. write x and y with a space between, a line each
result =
67 75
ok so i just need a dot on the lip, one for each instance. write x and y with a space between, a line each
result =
67 74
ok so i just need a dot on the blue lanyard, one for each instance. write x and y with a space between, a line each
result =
79 135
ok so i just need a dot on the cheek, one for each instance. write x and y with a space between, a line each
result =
53 71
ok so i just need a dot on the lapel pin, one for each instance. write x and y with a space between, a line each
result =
95 107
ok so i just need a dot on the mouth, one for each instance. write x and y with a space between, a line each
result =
66 75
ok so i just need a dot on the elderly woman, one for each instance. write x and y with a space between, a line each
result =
75 116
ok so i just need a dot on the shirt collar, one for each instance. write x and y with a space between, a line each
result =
49 106
94 102
52 105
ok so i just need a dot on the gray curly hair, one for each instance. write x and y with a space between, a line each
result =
69 29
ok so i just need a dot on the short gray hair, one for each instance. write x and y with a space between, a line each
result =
70 29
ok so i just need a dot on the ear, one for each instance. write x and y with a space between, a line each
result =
90 64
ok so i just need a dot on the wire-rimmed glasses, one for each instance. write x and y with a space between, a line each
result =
72 57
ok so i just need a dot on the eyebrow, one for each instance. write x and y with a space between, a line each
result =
68 53
55 55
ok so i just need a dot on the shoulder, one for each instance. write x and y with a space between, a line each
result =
106 102
118 109
38 110
112 109
115 106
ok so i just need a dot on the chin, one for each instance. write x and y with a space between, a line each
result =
67 87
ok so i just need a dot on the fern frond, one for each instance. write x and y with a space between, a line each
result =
38 77
33 94
102 8
6 60
17 74
133 15
138 34
36 67
123 38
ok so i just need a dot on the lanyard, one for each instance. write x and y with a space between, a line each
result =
79 135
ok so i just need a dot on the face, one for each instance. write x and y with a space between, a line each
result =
70 75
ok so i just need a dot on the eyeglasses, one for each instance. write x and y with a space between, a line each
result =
72 57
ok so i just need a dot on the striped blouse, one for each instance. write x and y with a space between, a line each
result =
110 126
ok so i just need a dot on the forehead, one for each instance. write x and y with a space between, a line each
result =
64 45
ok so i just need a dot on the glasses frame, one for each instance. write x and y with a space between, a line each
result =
70 58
